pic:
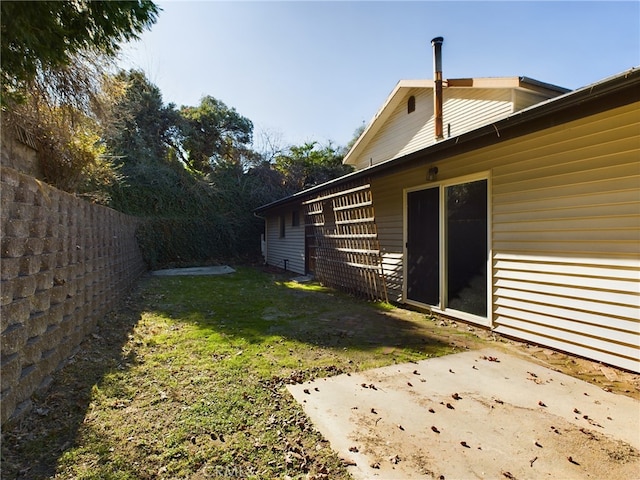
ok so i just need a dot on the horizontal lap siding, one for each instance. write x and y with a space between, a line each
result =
388 200
469 108
565 233
566 239
464 109
403 132
290 247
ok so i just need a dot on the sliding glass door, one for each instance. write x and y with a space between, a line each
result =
446 247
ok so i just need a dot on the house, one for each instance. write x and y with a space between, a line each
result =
506 202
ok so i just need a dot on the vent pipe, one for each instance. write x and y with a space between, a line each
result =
437 77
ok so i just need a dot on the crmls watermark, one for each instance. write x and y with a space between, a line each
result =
231 471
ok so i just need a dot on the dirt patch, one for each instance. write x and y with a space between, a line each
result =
463 337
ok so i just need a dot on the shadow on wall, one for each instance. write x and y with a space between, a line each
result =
65 263
57 416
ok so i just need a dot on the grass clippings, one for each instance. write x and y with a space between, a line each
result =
187 379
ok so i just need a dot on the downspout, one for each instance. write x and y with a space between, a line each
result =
437 77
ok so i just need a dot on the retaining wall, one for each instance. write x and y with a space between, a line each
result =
64 263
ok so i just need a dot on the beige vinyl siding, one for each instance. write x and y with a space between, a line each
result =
566 240
290 247
388 199
565 231
403 132
526 98
464 109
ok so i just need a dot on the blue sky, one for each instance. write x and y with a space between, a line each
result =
304 71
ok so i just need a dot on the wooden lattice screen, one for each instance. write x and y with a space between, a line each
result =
342 241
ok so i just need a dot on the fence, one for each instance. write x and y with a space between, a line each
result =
64 263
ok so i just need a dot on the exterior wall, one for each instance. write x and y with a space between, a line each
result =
464 109
565 230
289 248
342 229
526 98
65 263
566 239
403 131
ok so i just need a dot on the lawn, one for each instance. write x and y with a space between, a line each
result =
186 380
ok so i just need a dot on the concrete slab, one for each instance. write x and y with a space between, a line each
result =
478 414
216 270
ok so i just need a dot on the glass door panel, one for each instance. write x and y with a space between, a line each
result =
423 246
466 247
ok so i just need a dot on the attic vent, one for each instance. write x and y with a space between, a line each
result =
411 104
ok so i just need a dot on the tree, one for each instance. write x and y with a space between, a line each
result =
310 164
213 133
43 36
357 133
141 128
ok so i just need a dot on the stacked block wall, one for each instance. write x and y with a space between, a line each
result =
64 264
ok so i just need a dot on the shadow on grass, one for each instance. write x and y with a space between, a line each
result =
253 307
32 446
249 307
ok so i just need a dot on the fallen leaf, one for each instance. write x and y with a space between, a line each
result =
491 359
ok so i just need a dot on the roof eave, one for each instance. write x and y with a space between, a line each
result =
627 79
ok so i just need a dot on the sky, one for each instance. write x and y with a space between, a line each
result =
306 71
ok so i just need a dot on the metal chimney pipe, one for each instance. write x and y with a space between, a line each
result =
437 77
